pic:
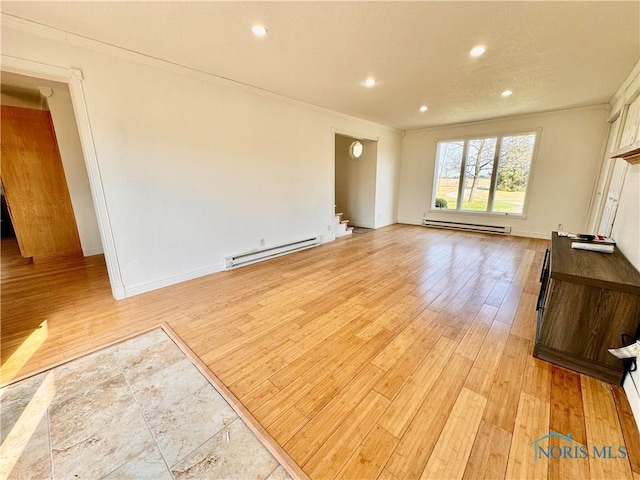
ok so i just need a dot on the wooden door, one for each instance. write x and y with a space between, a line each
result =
35 186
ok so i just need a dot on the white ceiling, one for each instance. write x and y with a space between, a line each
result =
551 54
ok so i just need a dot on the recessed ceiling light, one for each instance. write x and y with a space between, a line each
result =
369 82
477 51
259 30
506 93
424 108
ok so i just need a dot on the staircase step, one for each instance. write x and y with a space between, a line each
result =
344 221
338 214
344 232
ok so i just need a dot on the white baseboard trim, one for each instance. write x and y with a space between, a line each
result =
147 287
119 292
516 233
542 236
406 221
386 223
89 252
362 225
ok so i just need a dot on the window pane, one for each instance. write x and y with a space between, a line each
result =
477 175
514 165
448 166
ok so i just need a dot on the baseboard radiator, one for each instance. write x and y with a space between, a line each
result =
254 256
469 227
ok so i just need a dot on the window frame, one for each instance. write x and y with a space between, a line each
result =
494 178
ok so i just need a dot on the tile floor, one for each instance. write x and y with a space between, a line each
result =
139 409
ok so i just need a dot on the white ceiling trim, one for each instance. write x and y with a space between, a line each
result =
20 24
599 106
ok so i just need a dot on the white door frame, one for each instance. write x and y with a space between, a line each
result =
73 77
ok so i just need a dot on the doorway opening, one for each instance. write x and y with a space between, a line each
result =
44 177
355 182
51 243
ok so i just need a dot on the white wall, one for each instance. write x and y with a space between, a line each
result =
626 227
356 182
387 181
13 100
195 168
626 232
75 170
561 181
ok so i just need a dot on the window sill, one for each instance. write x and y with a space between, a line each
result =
519 216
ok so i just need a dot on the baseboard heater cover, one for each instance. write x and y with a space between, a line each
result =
254 256
470 227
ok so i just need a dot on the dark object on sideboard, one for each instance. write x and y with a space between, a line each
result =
587 301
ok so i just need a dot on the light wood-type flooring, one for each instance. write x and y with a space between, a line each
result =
404 353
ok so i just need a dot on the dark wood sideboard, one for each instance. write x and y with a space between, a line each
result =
587 300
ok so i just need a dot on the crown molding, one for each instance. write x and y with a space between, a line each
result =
21 24
635 72
599 106
17 23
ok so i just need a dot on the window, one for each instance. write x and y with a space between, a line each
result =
356 149
484 174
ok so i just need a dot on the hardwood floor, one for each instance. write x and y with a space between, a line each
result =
403 353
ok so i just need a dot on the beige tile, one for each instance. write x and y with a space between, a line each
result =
14 399
160 391
279 474
147 361
134 346
96 430
96 420
35 460
85 372
241 457
148 465
190 422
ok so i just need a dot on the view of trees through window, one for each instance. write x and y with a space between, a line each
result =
487 174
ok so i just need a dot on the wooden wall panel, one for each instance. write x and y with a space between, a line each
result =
35 185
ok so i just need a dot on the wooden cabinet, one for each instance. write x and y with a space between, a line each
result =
587 300
630 135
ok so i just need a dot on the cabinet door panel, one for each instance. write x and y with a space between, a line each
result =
586 321
631 124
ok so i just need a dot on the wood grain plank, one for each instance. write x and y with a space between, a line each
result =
490 453
408 400
531 423
524 321
504 396
603 428
472 341
393 380
486 363
451 452
327 461
307 441
368 461
415 447
629 428
390 354
288 424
